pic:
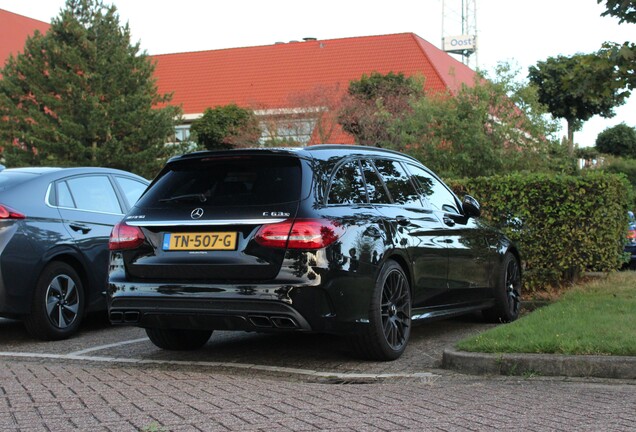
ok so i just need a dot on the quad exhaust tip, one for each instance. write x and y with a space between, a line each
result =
258 321
281 322
127 317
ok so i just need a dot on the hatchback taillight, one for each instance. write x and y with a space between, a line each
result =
125 237
9 213
299 234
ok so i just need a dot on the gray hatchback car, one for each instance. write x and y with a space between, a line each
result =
54 229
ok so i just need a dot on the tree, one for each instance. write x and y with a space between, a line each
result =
619 140
320 107
495 126
624 10
623 56
82 94
577 88
373 105
226 127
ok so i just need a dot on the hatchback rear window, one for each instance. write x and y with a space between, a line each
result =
240 181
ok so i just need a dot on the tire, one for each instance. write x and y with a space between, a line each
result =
178 340
57 308
389 316
507 292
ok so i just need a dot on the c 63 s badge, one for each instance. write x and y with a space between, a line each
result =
276 214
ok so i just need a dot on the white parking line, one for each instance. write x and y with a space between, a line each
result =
340 377
113 345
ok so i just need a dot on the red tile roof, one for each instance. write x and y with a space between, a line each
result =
14 30
264 77
270 76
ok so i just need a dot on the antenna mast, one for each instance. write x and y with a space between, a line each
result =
459 29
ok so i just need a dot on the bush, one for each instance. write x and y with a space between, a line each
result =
625 166
619 140
563 225
226 127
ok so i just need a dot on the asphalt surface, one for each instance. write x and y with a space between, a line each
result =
114 379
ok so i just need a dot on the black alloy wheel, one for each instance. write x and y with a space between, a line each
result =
507 292
396 309
58 303
389 316
513 288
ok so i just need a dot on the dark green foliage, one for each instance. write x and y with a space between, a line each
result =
578 87
626 167
587 153
83 95
563 225
622 56
375 86
624 10
226 127
374 104
619 140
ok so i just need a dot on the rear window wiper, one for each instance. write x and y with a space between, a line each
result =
186 197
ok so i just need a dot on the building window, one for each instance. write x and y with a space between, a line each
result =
182 133
287 131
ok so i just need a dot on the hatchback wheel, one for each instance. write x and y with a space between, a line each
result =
507 292
58 303
178 340
389 316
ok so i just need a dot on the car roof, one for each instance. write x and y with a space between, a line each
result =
15 177
319 151
67 170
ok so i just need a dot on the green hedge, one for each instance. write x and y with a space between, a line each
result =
563 225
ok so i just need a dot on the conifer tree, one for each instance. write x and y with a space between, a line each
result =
82 94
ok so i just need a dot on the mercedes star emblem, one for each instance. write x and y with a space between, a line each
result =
196 213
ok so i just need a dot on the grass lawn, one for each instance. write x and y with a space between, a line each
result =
598 317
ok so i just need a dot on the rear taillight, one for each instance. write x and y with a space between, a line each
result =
9 213
299 234
125 237
631 236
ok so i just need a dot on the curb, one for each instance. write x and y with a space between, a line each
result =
324 377
619 367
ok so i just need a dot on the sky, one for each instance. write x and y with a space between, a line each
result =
517 32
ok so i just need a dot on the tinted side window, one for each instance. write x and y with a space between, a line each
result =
375 187
434 191
94 193
347 186
397 182
132 188
64 197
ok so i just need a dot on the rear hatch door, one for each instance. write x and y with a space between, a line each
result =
200 217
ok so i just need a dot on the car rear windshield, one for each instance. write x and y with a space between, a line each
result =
227 181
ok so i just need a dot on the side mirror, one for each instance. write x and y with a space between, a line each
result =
471 206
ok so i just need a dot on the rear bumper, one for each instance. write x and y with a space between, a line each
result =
261 308
202 313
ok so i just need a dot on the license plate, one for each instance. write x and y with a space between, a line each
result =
199 241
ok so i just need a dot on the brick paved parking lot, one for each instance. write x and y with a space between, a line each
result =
233 384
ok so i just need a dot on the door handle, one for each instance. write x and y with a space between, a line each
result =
79 227
402 220
448 221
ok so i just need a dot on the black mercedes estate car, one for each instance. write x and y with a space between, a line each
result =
350 240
